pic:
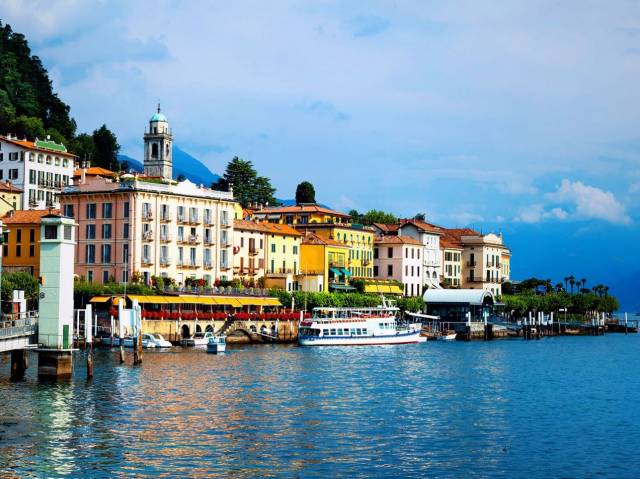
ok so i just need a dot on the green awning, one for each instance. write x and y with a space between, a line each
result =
346 272
343 287
336 271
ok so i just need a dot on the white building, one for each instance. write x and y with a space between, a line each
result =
429 236
399 258
41 168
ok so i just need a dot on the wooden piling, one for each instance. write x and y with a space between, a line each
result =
121 353
18 364
90 364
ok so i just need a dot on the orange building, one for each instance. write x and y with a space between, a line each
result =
21 245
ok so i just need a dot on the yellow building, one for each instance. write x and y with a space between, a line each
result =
323 264
21 246
10 198
269 251
330 225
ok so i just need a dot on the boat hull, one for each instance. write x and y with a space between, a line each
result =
216 348
400 338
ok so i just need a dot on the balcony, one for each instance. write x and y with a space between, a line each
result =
337 264
366 262
165 217
147 235
224 244
165 262
224 266
225 224
194 220
165 238
280 272
146 261
147 215
208 264
472 264
193 239
208 241
207 221
187 264
182 219
311 272
253 251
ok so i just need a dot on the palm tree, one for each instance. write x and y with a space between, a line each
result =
548 285
558 287
606 291
583 281
566 283
572 282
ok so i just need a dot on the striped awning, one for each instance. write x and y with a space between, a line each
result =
383 288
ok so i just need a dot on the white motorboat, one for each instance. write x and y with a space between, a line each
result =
129 342
357 326
449 335
217 344
157 339
198 339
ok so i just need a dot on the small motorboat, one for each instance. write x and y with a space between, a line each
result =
448 335
129 342
198 339
157 339
217 344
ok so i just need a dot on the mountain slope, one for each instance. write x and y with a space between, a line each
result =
183 164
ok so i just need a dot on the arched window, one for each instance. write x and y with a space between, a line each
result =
154 150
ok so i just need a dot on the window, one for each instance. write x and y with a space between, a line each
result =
273 247
90 254
13 174
389 252
91 211
90 276
125 252
295 249
105 276
50 232
106 253
90 232
389 270
68 211
32 177
375 253
106 231
107 210
126 209
284 249
32 250
18 251
224 217
223 259
375 270
32 235
125 230
19 235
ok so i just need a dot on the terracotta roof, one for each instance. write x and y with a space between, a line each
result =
31 145
26 216
422 225
6 186
393 228
395 239
448 242
314 239
269 228
93 171
299 209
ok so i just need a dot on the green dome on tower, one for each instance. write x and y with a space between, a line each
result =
158 116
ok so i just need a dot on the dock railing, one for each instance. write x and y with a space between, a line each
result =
18 324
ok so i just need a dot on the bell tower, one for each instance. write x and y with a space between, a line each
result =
158 147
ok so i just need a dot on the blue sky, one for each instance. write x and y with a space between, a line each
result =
515 116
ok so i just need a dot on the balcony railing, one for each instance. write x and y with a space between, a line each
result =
311 272
337 264
279 271
471 264
193 239
253 251
165 217
224 244
194 220
225 224
208 240
181 219
165 261
147 235
146 261
224 266
165 238
208 264
147 215
207 221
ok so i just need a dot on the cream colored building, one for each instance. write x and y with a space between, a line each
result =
451 254
150 226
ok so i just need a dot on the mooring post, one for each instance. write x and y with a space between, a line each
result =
18 364
90 362
137 349
626 324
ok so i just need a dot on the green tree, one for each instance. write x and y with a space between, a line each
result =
19 281
305 193
181 177
106 148
247 186
29 127
376 216
420 217
83 146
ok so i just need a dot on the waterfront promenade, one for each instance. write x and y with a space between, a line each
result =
535 409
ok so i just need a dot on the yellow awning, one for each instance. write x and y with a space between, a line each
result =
271 302
100 299
235 301
148 299
383 288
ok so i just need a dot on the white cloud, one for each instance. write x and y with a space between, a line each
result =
580 201
634 187
465 218
536 213
590 202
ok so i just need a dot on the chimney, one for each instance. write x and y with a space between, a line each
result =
83 176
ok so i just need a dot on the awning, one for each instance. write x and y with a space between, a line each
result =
346 272
343 287
234 301
100 299
272 302
383 288
336 271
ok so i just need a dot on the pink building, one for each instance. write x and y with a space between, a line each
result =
399 258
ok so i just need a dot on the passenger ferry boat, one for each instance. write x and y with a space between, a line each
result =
357 326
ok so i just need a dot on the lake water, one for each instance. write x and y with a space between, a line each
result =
558 407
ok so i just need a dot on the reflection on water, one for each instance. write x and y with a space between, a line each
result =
552 408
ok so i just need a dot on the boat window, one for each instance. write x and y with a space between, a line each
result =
339 332
381 325
353 330
333 332
358 331
364 331
325 332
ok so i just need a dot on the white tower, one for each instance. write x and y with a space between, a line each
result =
55 329
157 147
